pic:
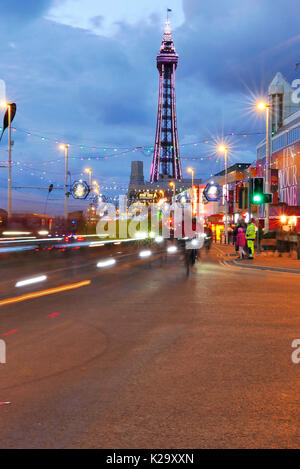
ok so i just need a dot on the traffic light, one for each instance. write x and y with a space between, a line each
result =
257 195
268 198
243 197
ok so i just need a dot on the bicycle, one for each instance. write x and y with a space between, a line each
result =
190 256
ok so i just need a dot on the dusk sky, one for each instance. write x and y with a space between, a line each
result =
84 72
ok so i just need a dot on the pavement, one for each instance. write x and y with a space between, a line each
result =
286 262
144 357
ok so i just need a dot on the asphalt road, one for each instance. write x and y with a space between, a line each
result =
143 357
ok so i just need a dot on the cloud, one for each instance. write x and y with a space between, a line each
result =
97 21
238 43
75 86
24 10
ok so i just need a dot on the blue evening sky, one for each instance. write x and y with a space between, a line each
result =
83 72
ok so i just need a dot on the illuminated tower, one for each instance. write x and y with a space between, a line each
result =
166 159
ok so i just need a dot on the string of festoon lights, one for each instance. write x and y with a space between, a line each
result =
109 152
43 177
114 151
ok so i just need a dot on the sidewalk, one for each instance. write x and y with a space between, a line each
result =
264 261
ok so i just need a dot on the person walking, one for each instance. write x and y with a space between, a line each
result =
235 233
241 242
250 237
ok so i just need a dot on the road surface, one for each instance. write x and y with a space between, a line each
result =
143 357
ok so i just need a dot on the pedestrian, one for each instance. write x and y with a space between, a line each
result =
235 233
241 242
250 237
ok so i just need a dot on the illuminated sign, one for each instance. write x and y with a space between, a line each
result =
212 192
80 190
147 195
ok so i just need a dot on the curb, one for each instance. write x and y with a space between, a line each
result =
260 267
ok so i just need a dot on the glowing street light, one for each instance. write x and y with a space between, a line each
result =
172 184
283 219
191 170
90 172
223 149
262 106
96 187
65 147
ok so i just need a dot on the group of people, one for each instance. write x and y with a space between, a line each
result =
244 239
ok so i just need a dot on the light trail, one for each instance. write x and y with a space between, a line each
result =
18 249
106 263
19 237
35 240
29 281
144 254
50 291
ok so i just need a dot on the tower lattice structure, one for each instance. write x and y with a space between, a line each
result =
166 158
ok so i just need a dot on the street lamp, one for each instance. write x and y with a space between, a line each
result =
262 106
66 149
89 171
191 170
96 187
172 184
223 149
7 106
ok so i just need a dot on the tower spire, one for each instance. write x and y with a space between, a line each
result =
166 159
167 31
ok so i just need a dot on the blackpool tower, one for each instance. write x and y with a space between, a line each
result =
166 159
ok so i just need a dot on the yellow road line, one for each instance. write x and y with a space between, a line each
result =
50 291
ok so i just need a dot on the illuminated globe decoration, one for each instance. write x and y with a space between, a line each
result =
80 190
212 192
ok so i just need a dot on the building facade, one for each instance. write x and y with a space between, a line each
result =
284 124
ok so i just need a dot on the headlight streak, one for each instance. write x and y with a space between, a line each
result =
172 249
106 263
16 233
20 237
30 281
144 254
36 240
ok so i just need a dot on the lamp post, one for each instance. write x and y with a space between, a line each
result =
66 149
96 187
262 106
172 184
224 150
9 180
89 171
191 170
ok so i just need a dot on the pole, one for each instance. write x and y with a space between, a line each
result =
9 182
192 179
267 179
249 193
66 183
226 197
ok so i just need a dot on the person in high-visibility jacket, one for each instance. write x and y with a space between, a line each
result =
250 237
